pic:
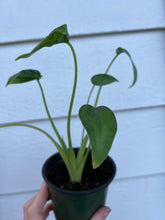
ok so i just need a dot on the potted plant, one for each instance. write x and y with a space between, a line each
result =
77 178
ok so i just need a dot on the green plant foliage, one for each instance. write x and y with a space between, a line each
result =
99 122
120 50
102 79
24 76
57 36
101 126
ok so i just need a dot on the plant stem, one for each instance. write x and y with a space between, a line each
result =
81 160
98 93
90 94
36 128
72 98
97 97
49 116
111 63
87 152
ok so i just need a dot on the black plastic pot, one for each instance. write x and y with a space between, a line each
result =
75 205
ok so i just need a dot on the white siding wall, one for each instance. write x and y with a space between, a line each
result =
97 29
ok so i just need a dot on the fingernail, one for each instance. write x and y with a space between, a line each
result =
107 211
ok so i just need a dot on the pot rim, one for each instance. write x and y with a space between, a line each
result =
77 192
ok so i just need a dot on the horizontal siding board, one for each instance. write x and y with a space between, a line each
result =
97 28
15 204
128 199
82 17
23 102
138 199
139 141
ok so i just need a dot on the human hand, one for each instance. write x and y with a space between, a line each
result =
101 214
35 208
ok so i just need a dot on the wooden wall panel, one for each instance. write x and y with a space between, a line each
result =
97 28
130 199
24 20
139 141
23 102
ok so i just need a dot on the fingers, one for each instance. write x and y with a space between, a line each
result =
30 201
41 197
46 210
35 208
101 214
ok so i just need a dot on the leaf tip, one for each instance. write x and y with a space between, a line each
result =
17 58
130 86
95 164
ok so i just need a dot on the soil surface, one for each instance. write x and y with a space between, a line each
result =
92 178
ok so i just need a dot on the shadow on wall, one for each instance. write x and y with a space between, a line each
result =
164 22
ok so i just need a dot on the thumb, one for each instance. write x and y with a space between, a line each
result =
101 214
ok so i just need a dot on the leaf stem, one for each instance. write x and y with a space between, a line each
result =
49 116
72 98
99 90
98 94
111 63
87 152
36 128
90 94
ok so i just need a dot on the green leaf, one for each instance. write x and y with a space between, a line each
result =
102 79
121 50
24 76
58 35
101 126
